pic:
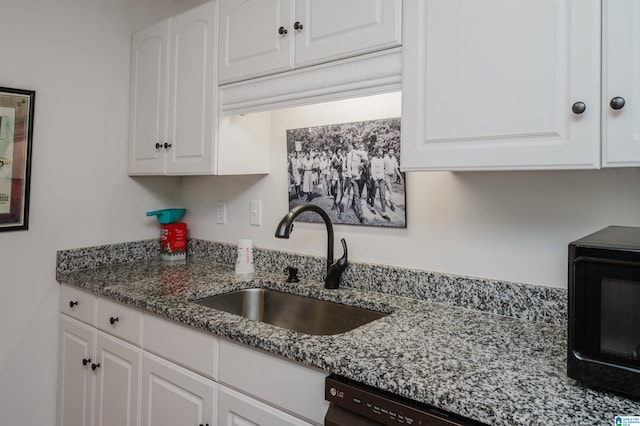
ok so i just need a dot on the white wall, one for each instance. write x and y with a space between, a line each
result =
505 225
75 55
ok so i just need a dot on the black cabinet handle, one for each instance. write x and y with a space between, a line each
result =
158 145
167 145
298 26
204 425
617 103
86 361
578 108
113 320
282 31
73 303
94 366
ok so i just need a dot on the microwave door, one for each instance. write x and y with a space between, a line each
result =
620 318
608 311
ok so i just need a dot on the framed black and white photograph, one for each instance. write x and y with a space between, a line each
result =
16 128
351 170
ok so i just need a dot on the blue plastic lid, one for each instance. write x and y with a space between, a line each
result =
167 215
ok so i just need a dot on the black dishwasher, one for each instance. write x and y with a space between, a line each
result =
356 404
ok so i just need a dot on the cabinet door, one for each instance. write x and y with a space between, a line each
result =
118 382
250 41
492 84
172 395
335 29
236 409
76 380
191 91
621 81
149 65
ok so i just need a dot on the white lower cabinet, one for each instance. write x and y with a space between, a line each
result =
181 345
285 384
98 377
237 409
173 395
168 374
76 381
117 382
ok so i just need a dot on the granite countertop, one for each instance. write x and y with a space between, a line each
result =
491 368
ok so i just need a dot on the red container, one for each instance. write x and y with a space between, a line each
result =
173 241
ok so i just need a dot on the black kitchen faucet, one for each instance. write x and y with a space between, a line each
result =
334 269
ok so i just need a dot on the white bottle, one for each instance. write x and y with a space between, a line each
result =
244 261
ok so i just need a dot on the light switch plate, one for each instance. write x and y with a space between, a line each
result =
256 213
221 212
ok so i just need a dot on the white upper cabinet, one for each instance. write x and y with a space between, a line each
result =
192 87
261 37
621 83
500 84
173 94
251 43
147 126
326 30
175 127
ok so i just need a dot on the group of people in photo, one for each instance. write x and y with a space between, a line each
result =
351 176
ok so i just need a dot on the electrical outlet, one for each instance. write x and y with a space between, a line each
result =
256 213
221 212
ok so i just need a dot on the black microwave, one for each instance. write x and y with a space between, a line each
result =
604 310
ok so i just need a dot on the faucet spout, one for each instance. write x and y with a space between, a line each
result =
285 227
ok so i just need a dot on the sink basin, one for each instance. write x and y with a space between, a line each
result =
298 313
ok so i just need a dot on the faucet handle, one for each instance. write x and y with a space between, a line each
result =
335 271
343 261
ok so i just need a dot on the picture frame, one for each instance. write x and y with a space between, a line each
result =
350 170
16 136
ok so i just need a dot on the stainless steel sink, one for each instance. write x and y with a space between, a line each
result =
298 313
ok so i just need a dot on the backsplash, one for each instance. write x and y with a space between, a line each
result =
105 255
526 302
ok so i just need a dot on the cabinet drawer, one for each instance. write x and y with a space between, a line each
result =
183 345
120 321
78 304
278 381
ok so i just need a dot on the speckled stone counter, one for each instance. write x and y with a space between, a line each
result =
493 368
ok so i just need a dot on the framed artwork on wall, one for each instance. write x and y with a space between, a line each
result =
351 170
16 133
